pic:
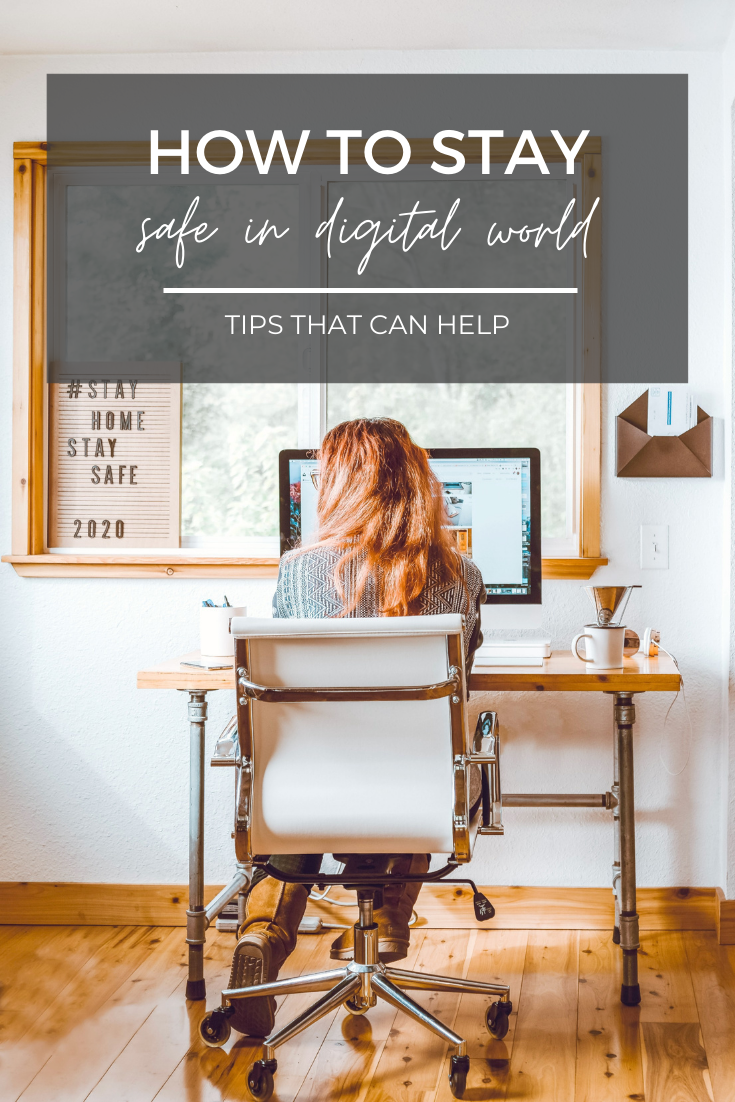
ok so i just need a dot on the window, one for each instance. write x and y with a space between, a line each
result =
231 434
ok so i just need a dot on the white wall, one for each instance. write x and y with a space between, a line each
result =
94 772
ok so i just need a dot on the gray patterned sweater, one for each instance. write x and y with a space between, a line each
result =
306 589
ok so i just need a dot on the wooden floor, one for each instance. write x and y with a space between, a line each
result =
98 1013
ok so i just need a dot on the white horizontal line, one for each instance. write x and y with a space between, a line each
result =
370 290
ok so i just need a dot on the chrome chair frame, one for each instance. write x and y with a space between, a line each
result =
359 984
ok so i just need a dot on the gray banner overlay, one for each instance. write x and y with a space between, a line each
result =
416 276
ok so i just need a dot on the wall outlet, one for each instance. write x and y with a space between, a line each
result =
655 546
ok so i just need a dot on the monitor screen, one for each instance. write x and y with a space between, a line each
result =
493 504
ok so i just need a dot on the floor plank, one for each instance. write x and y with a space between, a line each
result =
17 952
544 1048
34 979
222 1073
116 959
712 968
88 1050
17 934
608 1043
163 1039
667 994
497 956
674 1062
201 1072
32 957
296 1057
413 1059
98 1014
351 1051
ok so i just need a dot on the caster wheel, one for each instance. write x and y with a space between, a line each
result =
260 1079
354 1007
458 1069
496 1019
214 1029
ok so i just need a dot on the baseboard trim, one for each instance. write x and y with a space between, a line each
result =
441 906
725 918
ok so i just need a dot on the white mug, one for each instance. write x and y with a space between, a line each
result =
604 646
216 639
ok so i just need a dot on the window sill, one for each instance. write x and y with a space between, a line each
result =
169 566
570 568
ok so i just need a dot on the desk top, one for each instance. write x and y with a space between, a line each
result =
563 672
566 673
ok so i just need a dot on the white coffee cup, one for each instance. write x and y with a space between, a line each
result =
603 647
216 639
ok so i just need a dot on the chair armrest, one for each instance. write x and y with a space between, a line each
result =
481 758
486 754
226 749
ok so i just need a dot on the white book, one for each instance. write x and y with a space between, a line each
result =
203 663
538 651
531 648
487 661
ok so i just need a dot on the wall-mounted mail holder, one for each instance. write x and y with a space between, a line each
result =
642 456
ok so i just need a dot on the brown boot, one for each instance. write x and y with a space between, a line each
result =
266 938
393 917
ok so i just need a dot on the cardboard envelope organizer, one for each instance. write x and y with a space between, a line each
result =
642 456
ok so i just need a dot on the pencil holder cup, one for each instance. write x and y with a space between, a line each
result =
216 639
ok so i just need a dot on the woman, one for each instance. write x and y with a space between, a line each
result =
382 547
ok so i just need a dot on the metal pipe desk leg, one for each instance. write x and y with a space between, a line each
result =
616 835
196 919
630 992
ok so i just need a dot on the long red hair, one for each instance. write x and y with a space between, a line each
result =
379 498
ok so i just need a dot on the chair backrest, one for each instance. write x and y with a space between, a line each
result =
361 774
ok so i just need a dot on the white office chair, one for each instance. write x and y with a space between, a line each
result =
353 739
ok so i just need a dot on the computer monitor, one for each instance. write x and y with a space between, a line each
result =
493 498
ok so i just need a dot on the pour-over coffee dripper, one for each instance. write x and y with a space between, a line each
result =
610 602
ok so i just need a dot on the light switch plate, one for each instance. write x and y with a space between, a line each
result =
655 546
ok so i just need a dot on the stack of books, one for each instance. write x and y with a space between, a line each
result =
513 652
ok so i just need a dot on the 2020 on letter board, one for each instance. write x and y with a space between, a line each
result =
115 457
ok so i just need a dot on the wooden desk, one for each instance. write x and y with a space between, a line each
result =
560 673
563 672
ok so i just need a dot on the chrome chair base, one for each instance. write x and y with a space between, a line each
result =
358 985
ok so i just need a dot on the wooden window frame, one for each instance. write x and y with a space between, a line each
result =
29 554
